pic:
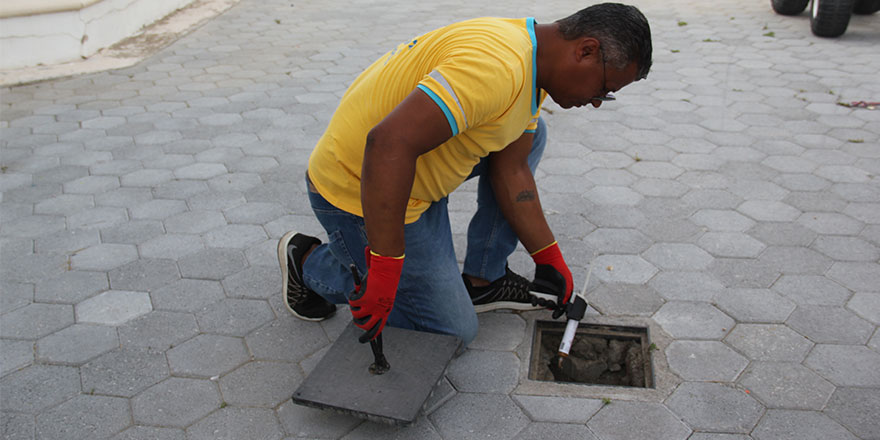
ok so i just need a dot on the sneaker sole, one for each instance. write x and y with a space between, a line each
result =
282 260
505 305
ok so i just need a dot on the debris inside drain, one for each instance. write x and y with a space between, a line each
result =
600 355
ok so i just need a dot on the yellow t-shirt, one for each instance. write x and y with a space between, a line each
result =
480 72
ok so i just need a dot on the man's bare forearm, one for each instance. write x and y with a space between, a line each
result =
386 182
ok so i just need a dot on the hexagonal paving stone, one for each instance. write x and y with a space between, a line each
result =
644 420
305 422
781 424
84 417
70 287
235 317
769 211
731 244
693 320
479 371
38 387
260 384
104 257
187 295
846 365
473 416
866 305
614 195
846 248
704 361
786 385
150 432
124 372
830 223
207 356
16 355
194 222
686 286
811 290
625 299
857 276
619 241
234 423
715 407
286 339
744 273
678 256
755 305
257 282
77 344
630 269
17 426
789 259
171 246
769 342
158 330
235 236
212 264
855 408
114 307
144 275
831 325
559 409
722 220
176 402
35 321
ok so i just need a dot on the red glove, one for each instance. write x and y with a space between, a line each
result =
371 305
552 277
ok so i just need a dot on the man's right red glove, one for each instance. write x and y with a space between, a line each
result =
552 277
371 304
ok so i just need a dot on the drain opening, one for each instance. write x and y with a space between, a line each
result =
600 355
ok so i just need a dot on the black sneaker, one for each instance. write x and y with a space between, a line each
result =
508 292
299 299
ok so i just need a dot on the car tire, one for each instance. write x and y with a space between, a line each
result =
789 7
829 18
866 7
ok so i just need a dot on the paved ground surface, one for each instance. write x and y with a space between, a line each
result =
734 206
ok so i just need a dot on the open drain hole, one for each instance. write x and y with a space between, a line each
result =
600 355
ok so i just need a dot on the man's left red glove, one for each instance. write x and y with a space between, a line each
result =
552 276
371 304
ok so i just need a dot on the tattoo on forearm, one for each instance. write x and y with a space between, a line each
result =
525 196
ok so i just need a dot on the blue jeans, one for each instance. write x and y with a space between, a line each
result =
431 295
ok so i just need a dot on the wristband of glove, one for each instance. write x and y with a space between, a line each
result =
552 256
372 301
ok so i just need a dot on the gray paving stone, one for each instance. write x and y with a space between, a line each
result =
559 409
91 185
171 246
15 296
234 317
303 422
769 211
704 361
769 342
124 197
722 220
150 433
257 282
789 424
867 306
194 222
856 276
744 273
144 275
625 299
38 387
686 286
113 307
16 426
235 236
693 320
77 344
215 201
854 408
731 244
846 248
789 260
212 264
235 423
133 232
157 209
845 365
65 204
830 223
553 430
286 339
104 257
16 355
470 416
124 372
630 269
260 384
33 226
478 371
70 287
718 436
811 290
831 325
187 295
158 330
84 417
675 256
646 421
786 385
146 178
715 407
207 356
783 234
35 321
620 241
755 305
175 403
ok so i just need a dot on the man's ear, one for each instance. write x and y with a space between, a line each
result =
587 47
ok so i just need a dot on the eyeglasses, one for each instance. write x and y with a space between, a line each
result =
608 95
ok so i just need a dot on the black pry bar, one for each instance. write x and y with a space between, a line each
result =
380 365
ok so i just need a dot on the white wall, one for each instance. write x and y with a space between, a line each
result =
72 29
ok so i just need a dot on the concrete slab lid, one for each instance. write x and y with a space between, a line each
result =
341 380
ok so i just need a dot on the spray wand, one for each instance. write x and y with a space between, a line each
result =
575 313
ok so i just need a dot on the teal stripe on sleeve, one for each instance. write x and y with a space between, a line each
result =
530 25
530 131
451 119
